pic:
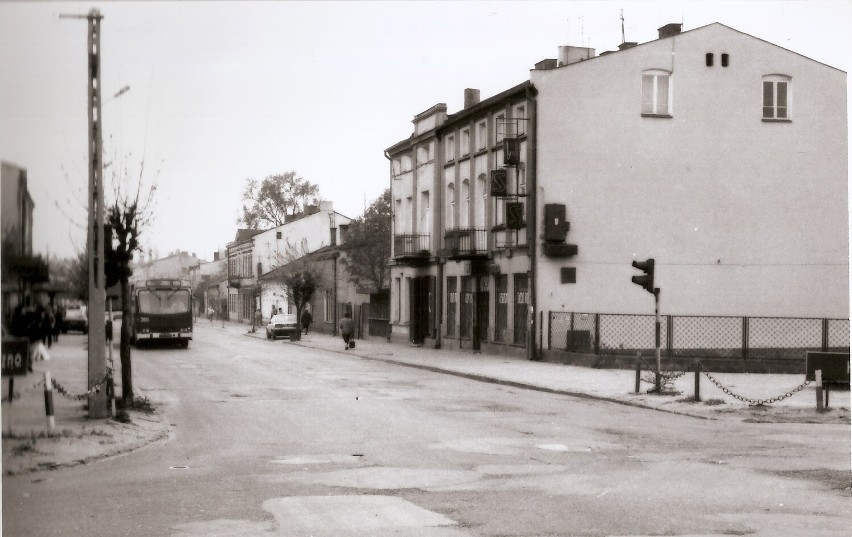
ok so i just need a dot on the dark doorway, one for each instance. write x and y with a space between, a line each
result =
421 293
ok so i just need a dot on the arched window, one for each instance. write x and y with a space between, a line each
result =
450 209
464 210
481 200
656 92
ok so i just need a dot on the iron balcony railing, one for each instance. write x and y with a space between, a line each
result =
411 245
466 242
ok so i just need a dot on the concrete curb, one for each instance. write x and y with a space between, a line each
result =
510 383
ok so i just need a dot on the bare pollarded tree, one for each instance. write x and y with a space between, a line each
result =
128 213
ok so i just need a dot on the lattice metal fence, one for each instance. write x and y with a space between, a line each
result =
697 336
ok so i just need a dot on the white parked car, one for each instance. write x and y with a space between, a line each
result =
282 324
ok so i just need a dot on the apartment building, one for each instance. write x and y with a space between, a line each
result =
719 155
460 257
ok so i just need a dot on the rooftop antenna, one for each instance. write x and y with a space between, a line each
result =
622 28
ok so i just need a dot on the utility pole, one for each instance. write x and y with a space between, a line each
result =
94 236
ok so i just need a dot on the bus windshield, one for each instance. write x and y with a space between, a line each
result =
163 301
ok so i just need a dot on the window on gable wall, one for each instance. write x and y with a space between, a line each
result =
656 93
776 97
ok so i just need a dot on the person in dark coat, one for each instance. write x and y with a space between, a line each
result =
306 320
346 329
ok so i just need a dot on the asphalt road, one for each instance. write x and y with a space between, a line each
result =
269 438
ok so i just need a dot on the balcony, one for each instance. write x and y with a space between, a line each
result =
411 248
466 243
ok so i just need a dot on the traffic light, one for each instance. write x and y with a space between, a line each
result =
646 281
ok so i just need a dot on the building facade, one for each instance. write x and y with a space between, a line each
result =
21 270
460 194
721 156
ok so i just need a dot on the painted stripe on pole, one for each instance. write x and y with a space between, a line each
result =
48 402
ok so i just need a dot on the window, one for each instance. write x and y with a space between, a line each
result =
465 142
724 60
464 211
406 163
481 135
708 59
424 154
278 235
499 128
450 149
449 215
481 199
425 213
776 98
520 113
656 93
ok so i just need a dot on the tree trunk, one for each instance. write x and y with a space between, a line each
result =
298 334
126 320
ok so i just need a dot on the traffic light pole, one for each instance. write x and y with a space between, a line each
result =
657 332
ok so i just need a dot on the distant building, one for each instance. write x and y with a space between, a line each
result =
253 253
21 270
178 264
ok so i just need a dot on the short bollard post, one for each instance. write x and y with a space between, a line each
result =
818 375
697 382
638 370
48 402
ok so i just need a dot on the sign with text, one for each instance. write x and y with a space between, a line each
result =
15 351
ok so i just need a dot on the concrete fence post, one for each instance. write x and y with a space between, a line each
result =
638 370
697 382
818 376
48 402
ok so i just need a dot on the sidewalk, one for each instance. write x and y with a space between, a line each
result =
76 439
614 385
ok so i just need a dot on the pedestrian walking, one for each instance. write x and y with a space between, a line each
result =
306 320
346 328
57 327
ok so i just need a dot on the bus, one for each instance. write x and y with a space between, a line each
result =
162 312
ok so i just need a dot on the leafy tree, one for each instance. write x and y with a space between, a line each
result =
368 243
266 203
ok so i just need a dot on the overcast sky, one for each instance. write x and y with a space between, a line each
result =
221 92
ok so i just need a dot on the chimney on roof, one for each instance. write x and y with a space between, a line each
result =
546 65
669 30
627 44
569 54
471 97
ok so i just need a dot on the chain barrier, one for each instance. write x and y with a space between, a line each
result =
664 375
79 397
673 375
753 402
19 394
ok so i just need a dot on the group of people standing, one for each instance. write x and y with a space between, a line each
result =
38 324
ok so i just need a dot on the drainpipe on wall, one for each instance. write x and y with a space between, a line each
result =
392 230
532 233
